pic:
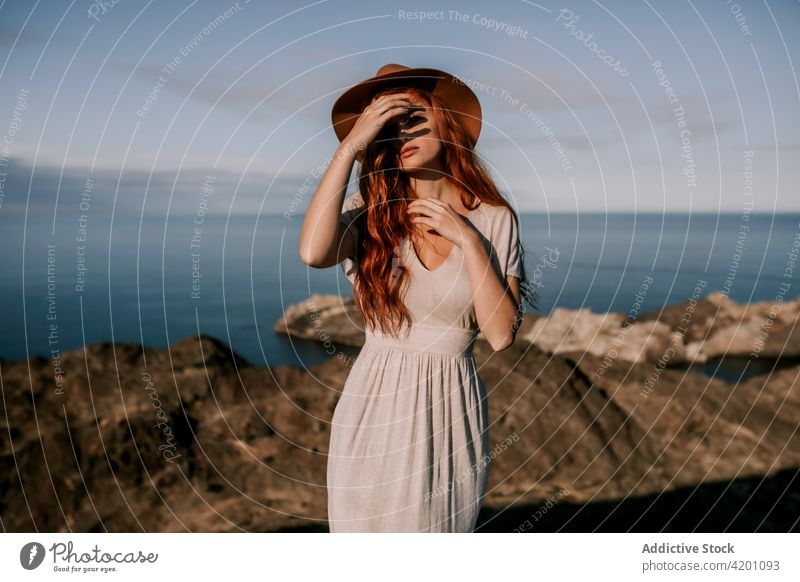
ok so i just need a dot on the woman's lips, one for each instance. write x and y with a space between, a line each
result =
408 151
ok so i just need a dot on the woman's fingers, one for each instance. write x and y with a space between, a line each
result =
430 214
434 206
387 96
384 109
384 102
435 210
374 117
394 108
394 111
383 105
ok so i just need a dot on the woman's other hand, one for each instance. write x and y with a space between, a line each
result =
441 217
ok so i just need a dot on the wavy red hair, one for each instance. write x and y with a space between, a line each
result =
381 277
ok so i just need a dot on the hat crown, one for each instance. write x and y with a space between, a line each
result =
456 95
390 68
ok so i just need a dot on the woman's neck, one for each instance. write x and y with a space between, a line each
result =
440 188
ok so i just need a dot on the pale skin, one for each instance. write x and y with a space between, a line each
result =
437 212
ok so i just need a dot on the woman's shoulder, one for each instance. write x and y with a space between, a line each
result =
494 212
495 221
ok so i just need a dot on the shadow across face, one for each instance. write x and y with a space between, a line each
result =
406 127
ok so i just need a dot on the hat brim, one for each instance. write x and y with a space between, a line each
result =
459 98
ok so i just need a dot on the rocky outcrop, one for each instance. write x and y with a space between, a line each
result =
194 438
692 332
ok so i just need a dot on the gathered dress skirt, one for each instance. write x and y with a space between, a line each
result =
409 442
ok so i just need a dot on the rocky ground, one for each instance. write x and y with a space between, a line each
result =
195 438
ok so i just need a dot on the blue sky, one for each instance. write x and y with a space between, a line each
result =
248 93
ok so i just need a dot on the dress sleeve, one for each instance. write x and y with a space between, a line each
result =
507 244
511 256
352 207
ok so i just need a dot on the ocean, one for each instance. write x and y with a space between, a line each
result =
158 282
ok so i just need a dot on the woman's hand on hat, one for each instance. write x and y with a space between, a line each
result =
431 213
374 116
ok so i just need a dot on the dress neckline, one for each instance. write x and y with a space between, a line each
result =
449 254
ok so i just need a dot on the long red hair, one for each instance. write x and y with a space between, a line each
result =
381 278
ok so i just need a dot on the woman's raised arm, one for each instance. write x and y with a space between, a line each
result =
324 240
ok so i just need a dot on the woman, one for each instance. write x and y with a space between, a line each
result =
433 253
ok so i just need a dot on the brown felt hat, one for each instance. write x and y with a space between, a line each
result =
457 96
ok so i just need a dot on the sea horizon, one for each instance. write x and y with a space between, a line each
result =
138 286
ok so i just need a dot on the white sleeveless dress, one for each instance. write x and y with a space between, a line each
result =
409 446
